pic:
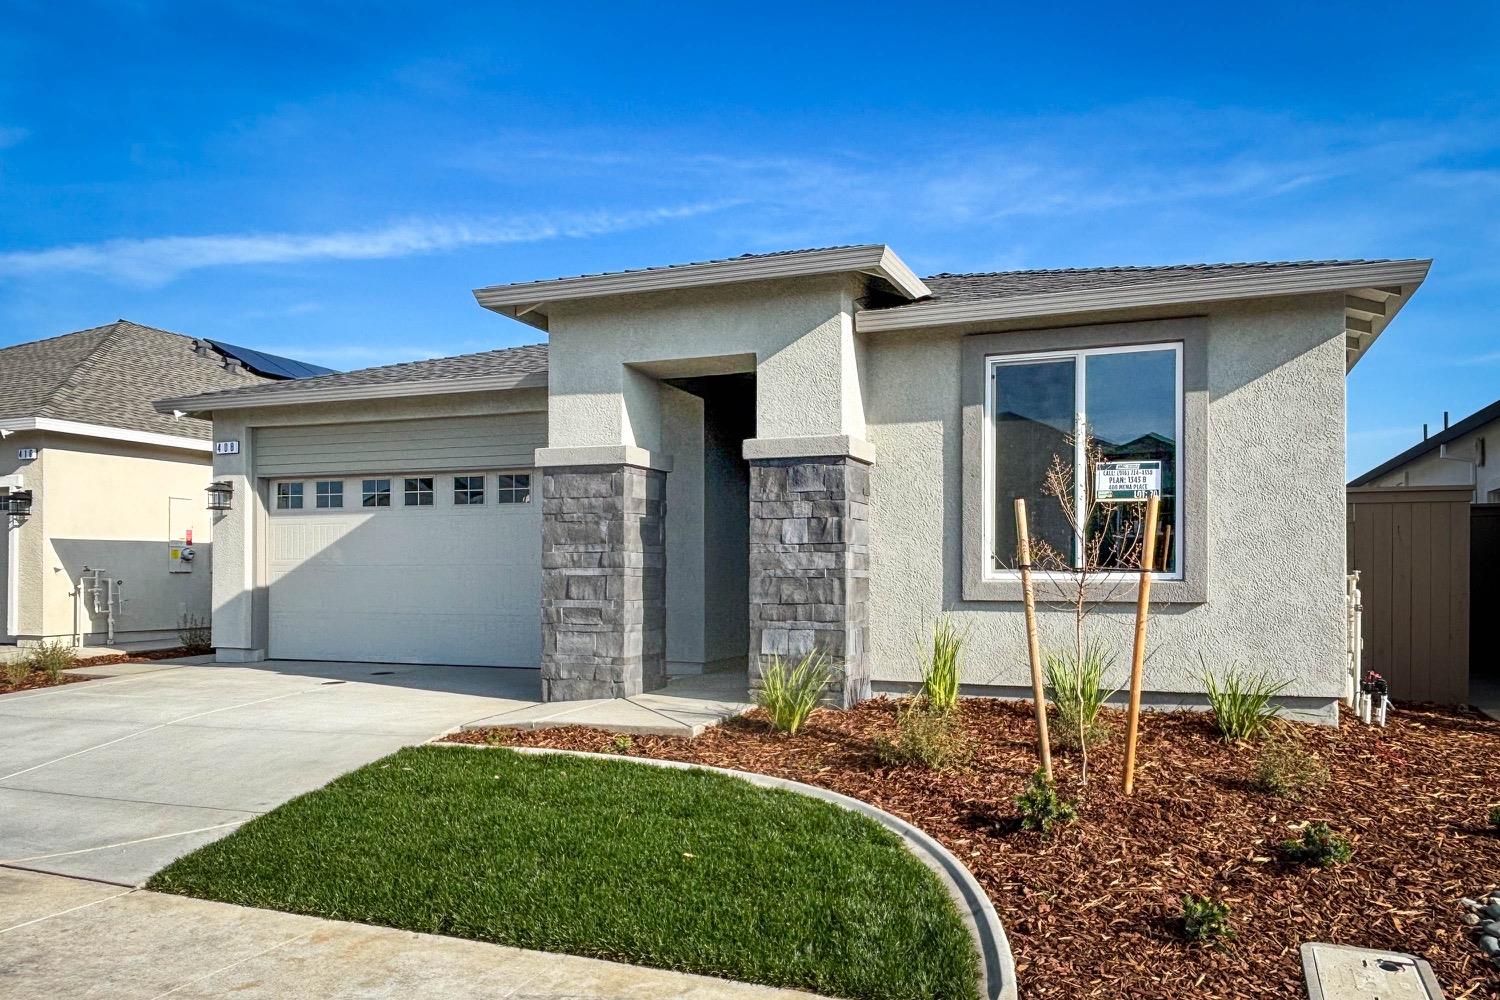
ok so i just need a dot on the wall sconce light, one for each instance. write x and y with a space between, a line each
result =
220 494
17 503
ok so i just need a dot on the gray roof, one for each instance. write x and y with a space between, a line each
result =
111 375
988 286
511 361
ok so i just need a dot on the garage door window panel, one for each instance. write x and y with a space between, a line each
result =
376 493
514 488
288 496
329 494
468 490
419 491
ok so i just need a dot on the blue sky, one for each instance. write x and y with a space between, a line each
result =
330 180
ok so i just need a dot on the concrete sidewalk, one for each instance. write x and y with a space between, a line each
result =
61 937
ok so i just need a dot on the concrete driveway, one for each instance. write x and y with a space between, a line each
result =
113 779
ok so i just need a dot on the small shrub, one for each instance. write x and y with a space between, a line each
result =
1319 846
1495 818
1241 702
940 672
1076 685
195 634
16 671
1287 768
788 695
622 743
1042 808
51 657
925 736
1205 919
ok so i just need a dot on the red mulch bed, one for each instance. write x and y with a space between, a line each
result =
1092 911
37 679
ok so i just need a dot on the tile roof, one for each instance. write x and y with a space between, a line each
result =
528 360
1007 284
111 375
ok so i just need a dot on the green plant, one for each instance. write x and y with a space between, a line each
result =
1205 918
1042 808
622 743
925 736
1241 702
940 671
1319 846
1075 681
1495 818
51 657
16 671
1287 768
789 694
195 634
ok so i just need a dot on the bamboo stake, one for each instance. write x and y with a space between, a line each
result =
1138 655
1033 647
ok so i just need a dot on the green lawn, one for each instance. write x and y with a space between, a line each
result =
683 870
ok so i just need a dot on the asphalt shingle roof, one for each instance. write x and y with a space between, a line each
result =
110 375
528 360
1010 284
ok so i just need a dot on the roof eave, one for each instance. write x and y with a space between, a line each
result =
1408 274
79 428
528 301
207 404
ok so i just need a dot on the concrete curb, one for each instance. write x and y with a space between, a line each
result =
997 966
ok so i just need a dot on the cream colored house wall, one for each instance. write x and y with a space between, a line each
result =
1275 508
1460 468
21 550
105 504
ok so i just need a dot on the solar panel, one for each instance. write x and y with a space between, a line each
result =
271 365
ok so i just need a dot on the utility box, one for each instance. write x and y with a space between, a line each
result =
1337 972
181 517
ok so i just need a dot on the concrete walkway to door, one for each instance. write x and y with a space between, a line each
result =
62 937
113 779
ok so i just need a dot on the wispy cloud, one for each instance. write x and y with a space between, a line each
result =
12 135
156 260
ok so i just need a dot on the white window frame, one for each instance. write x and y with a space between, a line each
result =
300 495
430 492
389 491
1080 484
530 488
319 496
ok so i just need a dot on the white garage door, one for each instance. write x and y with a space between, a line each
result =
406 568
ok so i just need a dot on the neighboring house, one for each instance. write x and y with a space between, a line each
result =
1458 455
812 448
102 493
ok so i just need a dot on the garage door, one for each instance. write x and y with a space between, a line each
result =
406 568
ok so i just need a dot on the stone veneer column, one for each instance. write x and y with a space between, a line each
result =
810 567
604 571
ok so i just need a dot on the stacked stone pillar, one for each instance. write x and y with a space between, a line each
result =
810 568
604 569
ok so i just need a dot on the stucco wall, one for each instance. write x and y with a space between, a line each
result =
22 543
1461 467
1275 509
105 504
797 335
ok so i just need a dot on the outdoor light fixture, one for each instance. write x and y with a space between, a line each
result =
17 503
219 494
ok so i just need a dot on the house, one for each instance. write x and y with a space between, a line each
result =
1458 455
776 452
102 496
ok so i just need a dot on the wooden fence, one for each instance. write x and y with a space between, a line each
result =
1410 546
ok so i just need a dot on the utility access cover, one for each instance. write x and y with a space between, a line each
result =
1336 972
